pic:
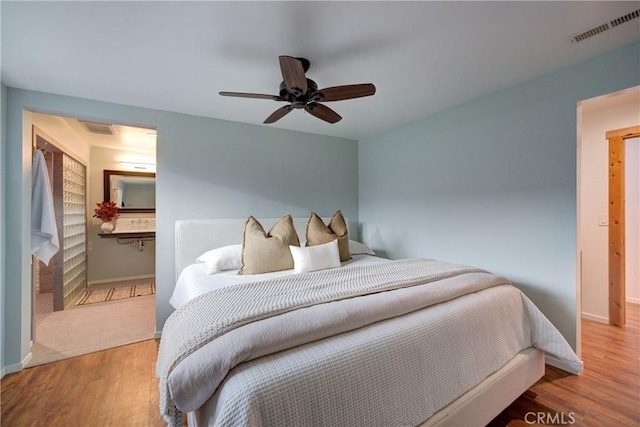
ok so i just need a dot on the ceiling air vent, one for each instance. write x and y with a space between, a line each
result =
99 128
604 27
590 33
625 18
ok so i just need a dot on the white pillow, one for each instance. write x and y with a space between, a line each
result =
318 257
359 248
221 259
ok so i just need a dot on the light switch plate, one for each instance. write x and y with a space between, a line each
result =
603 219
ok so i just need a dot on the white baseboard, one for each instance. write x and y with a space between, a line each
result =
121 279
633 300
157 335
11 369
550 360
595 318
17 367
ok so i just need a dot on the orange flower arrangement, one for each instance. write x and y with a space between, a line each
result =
106 211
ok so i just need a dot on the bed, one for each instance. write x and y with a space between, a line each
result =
419 354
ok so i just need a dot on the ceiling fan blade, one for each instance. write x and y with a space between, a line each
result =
293 75
252 95
278 114
322 112
339 93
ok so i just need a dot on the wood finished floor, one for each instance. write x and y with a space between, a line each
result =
117 387
606 394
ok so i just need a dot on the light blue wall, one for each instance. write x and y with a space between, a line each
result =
492 183
3 139
206 168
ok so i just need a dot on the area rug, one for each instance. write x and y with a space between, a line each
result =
120 292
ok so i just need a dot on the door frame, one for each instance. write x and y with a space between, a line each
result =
617 291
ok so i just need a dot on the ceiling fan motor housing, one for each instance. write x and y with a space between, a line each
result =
298 101
305 63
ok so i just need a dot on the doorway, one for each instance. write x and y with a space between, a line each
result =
96 318
596 117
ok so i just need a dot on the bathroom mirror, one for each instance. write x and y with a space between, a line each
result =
132 191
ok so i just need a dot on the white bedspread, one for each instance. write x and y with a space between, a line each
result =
198 376
194 280
397 372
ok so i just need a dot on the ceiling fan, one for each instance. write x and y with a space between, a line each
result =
301 92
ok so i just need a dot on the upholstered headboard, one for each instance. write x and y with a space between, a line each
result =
196 236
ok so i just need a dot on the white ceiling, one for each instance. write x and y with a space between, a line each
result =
423 57
124 137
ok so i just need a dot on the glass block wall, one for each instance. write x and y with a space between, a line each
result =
74 218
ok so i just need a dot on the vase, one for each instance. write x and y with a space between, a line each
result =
107 227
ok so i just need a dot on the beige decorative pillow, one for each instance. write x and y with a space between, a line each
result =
318 233
266 252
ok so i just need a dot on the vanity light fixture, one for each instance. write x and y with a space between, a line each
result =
138 165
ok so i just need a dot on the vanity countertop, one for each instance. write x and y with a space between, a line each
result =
128 234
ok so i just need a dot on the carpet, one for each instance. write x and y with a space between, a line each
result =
93 327
120 292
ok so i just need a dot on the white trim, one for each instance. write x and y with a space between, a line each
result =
579 242
121 279
17 367
633 300
11 369
595 318
27 359
550 360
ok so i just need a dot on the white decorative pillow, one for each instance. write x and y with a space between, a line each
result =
318 257
221 259
357 248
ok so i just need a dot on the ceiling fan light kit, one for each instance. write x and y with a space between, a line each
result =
302 93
